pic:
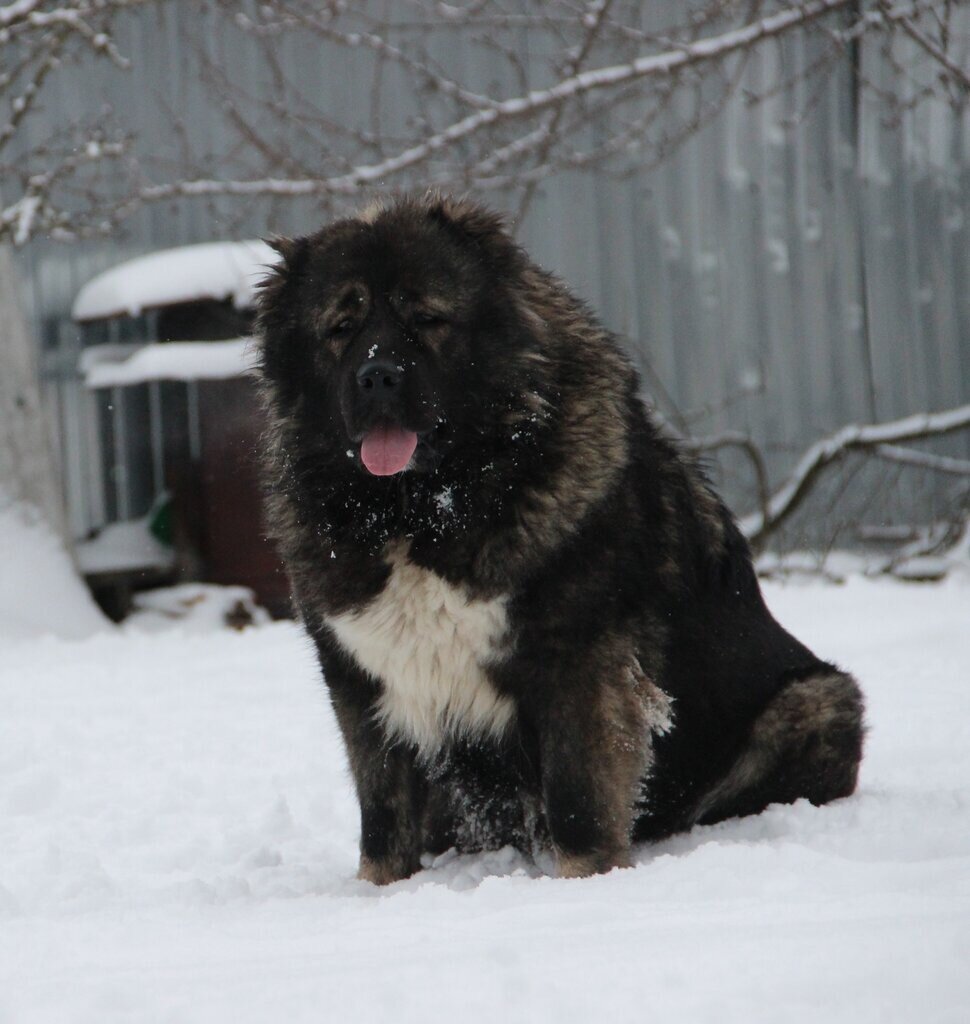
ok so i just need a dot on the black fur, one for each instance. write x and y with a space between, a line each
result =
640 682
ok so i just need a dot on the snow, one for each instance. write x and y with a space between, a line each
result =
178 837
195 608
105 366
210 270
124 546
40 591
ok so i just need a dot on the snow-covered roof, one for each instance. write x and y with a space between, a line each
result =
105 366
211 270
123 546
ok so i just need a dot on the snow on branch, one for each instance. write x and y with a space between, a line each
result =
44 165
923 460
38 212
854 437
18 19
515 108
642 92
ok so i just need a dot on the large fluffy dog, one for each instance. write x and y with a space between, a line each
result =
537 623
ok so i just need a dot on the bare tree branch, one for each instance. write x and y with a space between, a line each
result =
516 108
40 180
593 19
923 460
853 437
462 134
321 27
23 16
22 105
958 74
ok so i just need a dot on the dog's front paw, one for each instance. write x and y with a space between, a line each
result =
575 865
385 871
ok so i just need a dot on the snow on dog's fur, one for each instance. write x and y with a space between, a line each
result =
537 623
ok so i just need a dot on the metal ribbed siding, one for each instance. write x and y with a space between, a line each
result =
788 274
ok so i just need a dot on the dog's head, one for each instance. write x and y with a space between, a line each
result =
399 334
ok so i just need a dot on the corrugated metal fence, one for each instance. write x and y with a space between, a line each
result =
797 264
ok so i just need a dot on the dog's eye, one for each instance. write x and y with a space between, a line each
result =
342 327
428 319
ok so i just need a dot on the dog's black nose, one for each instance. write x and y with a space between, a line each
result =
379 375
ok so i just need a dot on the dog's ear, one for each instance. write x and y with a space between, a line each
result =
291 251
474 221
276 313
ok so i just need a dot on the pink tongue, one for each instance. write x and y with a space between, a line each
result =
387 450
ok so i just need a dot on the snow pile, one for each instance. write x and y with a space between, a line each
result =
104 366
40 590
178 837
195 608
211 270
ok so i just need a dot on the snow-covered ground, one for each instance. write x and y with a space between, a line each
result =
178 833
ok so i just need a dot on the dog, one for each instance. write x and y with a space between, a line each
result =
537 623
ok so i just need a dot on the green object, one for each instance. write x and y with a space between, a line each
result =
160 524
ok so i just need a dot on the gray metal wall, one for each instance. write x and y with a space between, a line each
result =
798 264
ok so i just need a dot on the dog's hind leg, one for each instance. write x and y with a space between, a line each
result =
806 743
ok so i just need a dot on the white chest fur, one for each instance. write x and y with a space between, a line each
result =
428 644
